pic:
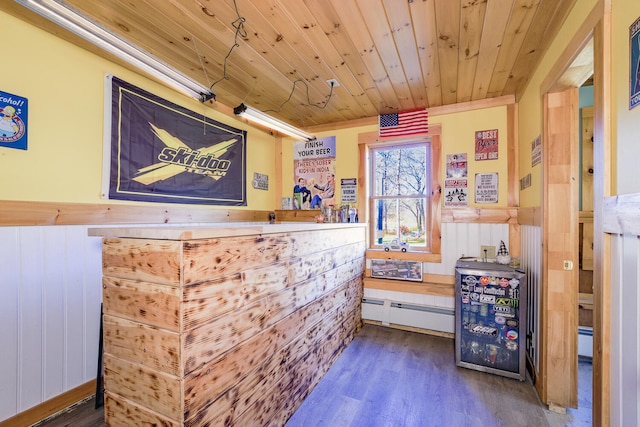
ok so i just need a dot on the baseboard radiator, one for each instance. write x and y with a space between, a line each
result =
426 317
585 341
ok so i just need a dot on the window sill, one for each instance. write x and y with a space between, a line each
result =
408 256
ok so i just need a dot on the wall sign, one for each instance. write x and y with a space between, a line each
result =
487 187
13 121
536 151
456 193
634 64
525 182
396 269
349 189
487 144
260 181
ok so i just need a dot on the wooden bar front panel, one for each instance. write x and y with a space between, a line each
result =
226 330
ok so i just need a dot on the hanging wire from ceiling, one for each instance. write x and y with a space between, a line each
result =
238 24
308 99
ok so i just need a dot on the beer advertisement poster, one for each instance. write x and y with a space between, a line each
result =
314 168
487 144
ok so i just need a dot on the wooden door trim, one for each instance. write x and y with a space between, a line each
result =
602 188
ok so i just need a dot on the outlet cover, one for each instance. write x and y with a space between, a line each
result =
490 254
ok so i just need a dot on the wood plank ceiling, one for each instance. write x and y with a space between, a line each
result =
386 55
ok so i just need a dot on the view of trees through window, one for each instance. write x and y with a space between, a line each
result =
400 190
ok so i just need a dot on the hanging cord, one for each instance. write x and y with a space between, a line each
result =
204 70
238 24
308 99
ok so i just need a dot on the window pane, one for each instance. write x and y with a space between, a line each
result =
400 171
401 218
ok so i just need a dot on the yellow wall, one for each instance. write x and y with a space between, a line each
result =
626 123
65 88
457 137
530 114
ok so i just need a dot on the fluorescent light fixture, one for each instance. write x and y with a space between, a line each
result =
80 25
258 116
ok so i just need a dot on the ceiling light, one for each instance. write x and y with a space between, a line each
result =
258 116
88 30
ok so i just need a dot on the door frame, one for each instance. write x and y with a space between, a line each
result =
597 25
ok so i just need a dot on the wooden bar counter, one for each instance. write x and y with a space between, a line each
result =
229 325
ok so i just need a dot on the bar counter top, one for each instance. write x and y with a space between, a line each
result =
214 230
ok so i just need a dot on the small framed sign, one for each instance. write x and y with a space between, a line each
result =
396 269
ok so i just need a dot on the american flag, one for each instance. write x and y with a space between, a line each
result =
404 123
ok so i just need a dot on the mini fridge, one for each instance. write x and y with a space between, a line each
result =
490 318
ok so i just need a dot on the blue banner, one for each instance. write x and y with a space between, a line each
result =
13 121
634 62
161 152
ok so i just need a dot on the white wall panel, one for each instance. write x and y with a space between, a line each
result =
92 283
53 297
75 307
30 325
625 333
458 239
531 264
50 293
9 279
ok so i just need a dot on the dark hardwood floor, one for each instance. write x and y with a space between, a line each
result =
388 377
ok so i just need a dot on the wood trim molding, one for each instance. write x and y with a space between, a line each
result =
621 214
602 189
408 256
51 406
372 139
432 284
481 215
25 213
513 182
573 49
433 111
530 216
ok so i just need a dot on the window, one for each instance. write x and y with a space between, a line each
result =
399 200
401 196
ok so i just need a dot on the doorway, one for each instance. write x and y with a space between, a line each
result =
572 225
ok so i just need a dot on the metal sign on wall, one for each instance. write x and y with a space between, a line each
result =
13 121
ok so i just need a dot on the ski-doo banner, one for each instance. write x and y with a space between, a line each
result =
161 152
